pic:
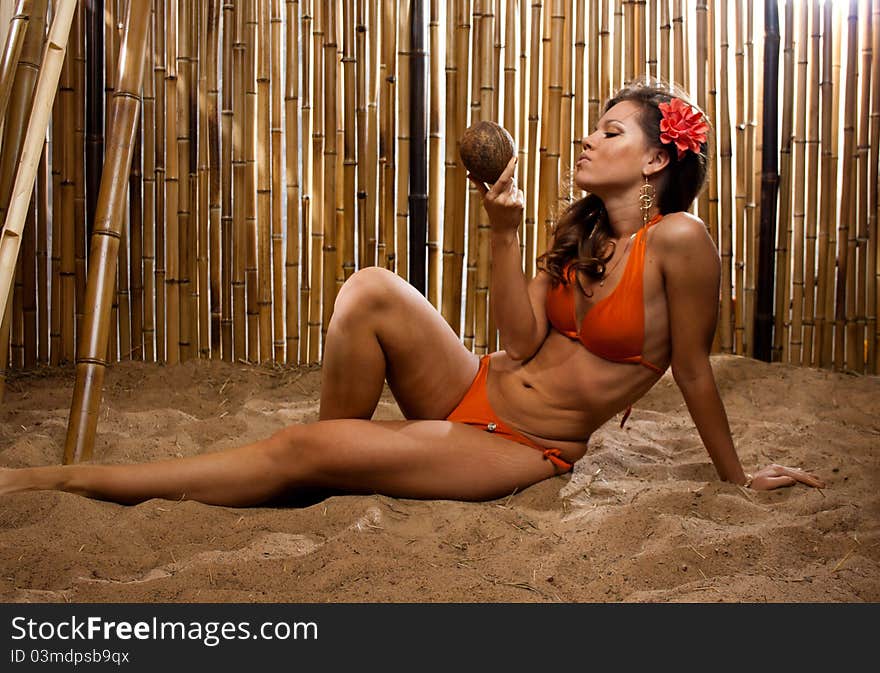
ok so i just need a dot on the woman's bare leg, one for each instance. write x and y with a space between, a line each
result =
383 328
414 459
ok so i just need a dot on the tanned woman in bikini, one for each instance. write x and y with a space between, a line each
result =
628 288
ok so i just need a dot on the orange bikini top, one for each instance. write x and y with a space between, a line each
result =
614 328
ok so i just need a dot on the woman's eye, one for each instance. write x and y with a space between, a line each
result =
611 135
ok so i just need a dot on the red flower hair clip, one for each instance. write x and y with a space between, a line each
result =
682 125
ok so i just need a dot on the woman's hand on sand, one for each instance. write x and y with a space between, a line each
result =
778 476
503 201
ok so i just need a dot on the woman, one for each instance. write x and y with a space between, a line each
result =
629 287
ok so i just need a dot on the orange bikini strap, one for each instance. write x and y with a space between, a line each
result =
555 457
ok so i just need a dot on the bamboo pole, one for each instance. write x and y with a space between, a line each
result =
486 112
739 215
95 18
252 236
826 209
372 141
159 73
81 223
784 232
872 297
435 149
239 196
318 204
844 303
749 237
265 271
860 337
354 111
34 136
329 249
148 262
215 179
278 184
385 256
108 223
307 186
136 229
294 191
799 178
228 171
187 90
173 328
812 186
12 50
723 235
44 181
453 189
522 133
200 179
265 244
534 139
403 159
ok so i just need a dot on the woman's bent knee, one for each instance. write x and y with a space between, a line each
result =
366 291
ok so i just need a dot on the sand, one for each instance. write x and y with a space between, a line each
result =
643 517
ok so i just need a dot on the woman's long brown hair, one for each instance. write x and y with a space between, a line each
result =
582 235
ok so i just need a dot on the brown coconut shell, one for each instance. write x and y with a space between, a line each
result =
485 149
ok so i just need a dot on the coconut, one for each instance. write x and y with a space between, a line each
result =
486 148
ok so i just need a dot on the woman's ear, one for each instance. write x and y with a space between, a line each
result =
658 159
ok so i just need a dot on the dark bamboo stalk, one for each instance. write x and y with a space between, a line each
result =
94 93
418 164
769 185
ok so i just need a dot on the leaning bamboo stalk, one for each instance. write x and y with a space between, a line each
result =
812 187
844 304
782 284
265 272
278 185
799 182
293 181
12 50
32 146
105 245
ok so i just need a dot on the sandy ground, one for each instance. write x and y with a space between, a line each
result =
642 518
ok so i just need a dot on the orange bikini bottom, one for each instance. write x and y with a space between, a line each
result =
474 409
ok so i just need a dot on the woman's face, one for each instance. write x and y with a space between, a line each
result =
615 155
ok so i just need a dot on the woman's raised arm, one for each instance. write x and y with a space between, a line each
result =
518 303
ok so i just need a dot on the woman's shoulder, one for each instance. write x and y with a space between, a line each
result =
682 231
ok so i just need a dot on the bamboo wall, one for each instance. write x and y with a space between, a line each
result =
280 142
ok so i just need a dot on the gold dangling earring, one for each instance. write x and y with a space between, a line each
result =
646 200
